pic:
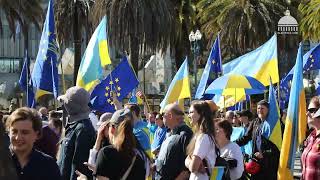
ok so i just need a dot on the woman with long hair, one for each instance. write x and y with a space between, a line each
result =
201 150
121 160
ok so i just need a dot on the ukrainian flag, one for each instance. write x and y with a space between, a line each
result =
296 123
179 87
262 63
274 118
217 173
95 58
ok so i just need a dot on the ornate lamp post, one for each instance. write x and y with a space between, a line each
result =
194 39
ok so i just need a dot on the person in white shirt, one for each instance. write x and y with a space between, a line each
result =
229 149
201 150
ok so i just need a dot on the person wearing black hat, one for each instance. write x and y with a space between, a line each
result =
79 134
263 150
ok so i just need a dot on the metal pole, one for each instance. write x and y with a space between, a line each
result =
195 62
144 76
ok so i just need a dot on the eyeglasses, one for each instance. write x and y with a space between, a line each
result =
312 110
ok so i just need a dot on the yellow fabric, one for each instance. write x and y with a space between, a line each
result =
283 172
237 81
276 136
180 90
268 69
104 53
89 86
40 93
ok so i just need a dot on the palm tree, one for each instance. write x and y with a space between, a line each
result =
137 27
24 12
72 14
243 24
310 22
184 22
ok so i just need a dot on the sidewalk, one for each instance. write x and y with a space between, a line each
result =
297 167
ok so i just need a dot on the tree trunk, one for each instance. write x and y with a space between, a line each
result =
77 43
134 53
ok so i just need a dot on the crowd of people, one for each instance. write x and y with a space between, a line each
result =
162 146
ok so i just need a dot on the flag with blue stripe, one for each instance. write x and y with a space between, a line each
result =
45 72
26 83
274 118
212 68
296 123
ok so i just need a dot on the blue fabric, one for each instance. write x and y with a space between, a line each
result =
122 80
25 81
140 130
159 137
213 66
45 71
310 62
237 132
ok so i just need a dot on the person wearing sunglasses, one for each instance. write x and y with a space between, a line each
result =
310 157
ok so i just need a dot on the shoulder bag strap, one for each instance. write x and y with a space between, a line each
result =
126 174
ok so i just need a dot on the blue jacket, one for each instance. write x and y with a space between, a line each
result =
75 146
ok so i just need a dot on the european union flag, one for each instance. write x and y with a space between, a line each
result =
45 72
213 67
311 61
25 81
284 92
121 81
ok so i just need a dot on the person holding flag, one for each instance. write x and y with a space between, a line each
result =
265 153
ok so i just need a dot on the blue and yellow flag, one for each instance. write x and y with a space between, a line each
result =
121 81
134 98
45 72
274 118
261 63
212 68
296 123
95 58
25 81
217 173
311 61
179 87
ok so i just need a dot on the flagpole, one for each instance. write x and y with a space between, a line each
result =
27 69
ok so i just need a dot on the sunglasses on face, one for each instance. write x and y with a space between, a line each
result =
312 110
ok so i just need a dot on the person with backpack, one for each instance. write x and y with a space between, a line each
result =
228 150
201 150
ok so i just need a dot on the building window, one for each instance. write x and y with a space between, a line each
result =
8 65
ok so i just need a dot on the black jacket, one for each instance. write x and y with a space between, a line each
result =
270 152
74 151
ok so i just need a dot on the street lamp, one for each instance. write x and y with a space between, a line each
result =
194 39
